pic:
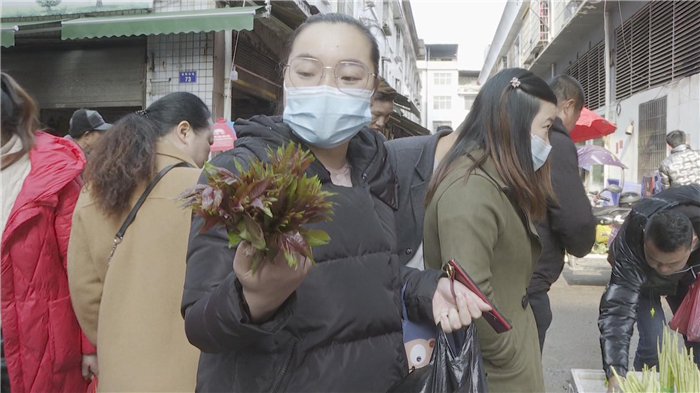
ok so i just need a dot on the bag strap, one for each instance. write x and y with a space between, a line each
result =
132 214
404 312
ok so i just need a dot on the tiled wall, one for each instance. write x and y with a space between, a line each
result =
168 55
182 5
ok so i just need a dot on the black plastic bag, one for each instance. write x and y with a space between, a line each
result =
449 372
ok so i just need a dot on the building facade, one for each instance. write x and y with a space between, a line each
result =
638 62
391 22
120 60
236 71
448 93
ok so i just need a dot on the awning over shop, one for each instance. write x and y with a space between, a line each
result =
405 103
408 127
216 19
9 29
7 35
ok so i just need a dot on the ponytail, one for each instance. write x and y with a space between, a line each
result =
125 157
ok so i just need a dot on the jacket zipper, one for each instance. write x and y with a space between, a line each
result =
287 361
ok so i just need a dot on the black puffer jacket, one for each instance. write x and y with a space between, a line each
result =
631 275
341 329
569 225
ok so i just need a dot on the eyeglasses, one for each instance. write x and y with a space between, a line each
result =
350 77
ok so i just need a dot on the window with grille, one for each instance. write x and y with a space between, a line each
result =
657 45
589 70
398 37
544 20
503 63
442 78
652 136
442 102
438 124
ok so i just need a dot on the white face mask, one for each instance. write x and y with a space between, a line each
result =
325 117
540 151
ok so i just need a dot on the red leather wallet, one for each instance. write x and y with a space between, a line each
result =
493 317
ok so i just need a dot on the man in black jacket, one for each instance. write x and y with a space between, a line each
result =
655 253
569 225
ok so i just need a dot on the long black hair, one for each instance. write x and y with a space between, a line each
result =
126 155
499 124
20 116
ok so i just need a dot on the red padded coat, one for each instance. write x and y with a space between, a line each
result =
42 338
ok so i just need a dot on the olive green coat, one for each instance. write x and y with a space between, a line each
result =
474 222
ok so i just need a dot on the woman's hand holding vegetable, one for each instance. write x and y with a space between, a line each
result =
454 315
271 284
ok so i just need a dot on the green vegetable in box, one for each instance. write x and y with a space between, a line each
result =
266 205
677 370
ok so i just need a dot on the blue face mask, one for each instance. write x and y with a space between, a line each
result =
540 151
325 117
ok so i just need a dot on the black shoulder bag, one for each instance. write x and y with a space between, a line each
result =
132 215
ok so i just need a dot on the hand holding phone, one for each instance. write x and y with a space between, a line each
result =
493 317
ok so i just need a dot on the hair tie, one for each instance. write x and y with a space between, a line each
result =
142 112
515 82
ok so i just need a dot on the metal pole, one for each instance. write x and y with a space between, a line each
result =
608 87
228 61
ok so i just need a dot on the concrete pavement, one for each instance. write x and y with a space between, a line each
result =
573 339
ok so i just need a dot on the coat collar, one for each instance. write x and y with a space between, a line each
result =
426 159
680 148
167 153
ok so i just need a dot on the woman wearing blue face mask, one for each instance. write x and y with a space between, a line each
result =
336 325
482 201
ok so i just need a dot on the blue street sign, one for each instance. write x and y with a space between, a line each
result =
188 76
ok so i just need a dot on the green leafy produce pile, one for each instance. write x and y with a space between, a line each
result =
677 371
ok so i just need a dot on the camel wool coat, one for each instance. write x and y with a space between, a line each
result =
131 310
474 222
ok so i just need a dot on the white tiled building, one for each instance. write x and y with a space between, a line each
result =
638 62
391 22
448 93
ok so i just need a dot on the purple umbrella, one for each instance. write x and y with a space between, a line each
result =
596 155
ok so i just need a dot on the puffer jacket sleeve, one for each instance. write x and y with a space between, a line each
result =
665 178
469 234
570 218
67 200
618 306
420 289
217 318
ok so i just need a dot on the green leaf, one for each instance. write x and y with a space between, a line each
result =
291 259
255 260
316 238
238 165
211 170
254 232
233 239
